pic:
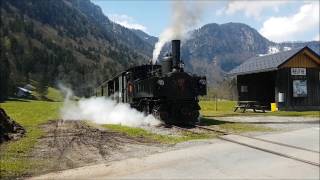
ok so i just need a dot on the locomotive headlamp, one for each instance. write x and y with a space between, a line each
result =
160 82
203 81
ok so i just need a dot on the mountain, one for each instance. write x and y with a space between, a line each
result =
73 42
227 44
214 49
219 42
68 41
314 45
146 37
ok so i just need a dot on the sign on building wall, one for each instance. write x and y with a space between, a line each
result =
299 88
298 71
244 89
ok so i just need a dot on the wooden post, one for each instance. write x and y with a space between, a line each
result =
216 103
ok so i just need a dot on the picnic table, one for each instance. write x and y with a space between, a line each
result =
254 105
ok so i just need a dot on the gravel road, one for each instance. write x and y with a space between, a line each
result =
73 144
281 123
222 160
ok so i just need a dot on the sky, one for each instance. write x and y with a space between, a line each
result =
279 21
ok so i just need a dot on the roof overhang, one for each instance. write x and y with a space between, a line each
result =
252 72
308 52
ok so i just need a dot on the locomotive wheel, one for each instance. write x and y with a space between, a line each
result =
156 112
189 117
145 110
144 106
196 116
159 114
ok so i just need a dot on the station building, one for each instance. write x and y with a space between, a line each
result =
291 79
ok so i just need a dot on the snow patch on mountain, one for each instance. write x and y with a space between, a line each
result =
273 49
286 48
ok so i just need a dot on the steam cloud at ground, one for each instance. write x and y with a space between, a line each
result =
102 110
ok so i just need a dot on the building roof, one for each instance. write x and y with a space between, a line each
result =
24 90
29 87
266 63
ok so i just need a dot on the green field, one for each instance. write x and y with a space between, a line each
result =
31 114
234 127
141 133
225 108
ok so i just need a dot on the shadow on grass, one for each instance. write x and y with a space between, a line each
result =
17 99
28 100
283 122
210 121
44 98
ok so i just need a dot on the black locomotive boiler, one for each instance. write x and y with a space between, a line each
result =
165 90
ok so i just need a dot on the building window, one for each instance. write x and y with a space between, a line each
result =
244 89
299 88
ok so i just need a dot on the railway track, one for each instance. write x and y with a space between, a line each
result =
185 129
226 138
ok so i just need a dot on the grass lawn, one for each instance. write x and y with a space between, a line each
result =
52 95
14 159
186 136
139 132
225 108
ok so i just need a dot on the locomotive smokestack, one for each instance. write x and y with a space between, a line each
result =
175 44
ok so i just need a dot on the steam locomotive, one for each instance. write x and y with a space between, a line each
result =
165 90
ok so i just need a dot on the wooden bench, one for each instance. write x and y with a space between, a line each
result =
244 105
239 107
261 108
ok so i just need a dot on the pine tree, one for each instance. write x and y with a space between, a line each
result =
43 84
42 87
4 75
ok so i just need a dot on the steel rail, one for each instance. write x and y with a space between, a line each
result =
270 151
255 147
256 138
184 129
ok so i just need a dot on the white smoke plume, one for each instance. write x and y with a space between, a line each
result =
67 92
184 17
102 110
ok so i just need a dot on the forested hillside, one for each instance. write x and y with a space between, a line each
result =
67 41
73 42
146 37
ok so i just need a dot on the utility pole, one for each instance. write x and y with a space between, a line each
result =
216 102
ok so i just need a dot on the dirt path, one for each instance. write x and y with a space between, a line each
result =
222 160
280 123
71 144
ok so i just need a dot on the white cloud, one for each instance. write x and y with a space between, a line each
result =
288 28
127 21
317 38
252 8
